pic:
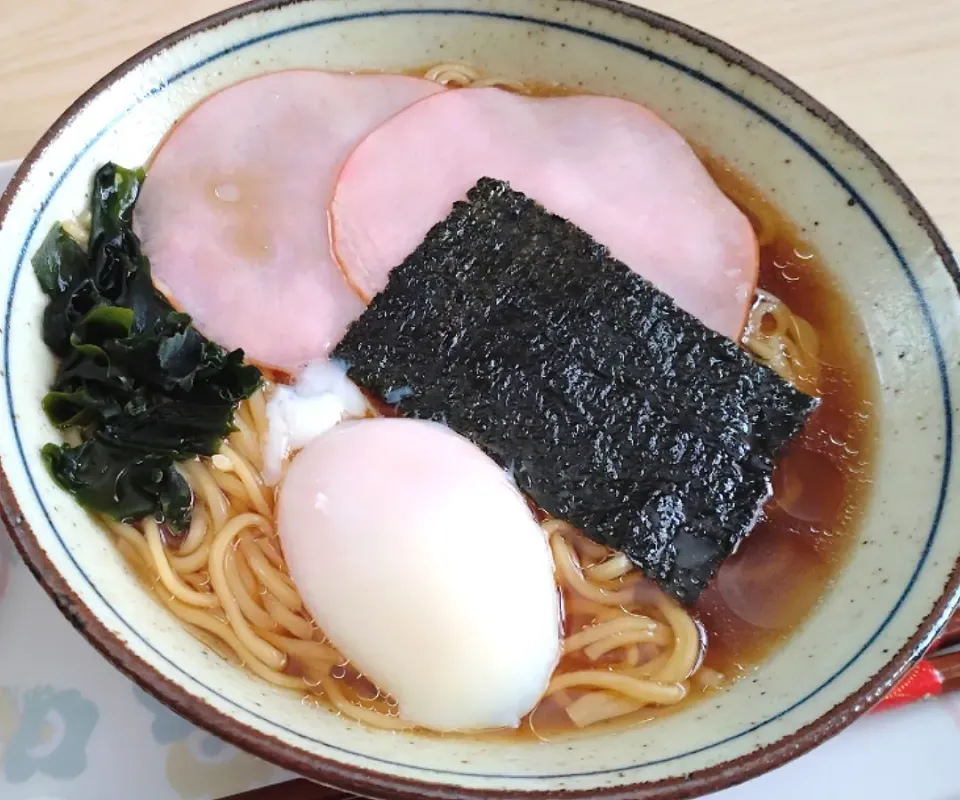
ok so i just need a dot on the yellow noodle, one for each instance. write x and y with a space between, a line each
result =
243 419
576 603
234 489
258 413
244 426
308 652
614 567
131 536
195 534
569 570
275 582
806 335
251 480
227 634
214 643
687 642
359 713
783 341
257 616
586 549
619 625
270 656
459 75
251 584
191 563
206 488
199 580
245 443
634 582
600 648
170 580
298 626
767 348
208 622
651 669
600 706
271 552
635 688
246 448
611 612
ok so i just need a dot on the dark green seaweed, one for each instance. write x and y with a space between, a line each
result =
612 407
140 383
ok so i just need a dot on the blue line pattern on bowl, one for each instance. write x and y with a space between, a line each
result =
642 51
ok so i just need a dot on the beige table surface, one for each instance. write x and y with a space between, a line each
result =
890 68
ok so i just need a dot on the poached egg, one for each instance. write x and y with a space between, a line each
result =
421 561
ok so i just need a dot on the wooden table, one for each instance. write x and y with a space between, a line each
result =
889 68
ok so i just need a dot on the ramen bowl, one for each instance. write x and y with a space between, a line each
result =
885 606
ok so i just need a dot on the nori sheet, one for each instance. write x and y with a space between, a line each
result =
613 408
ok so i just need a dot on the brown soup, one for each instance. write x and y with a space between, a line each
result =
766 589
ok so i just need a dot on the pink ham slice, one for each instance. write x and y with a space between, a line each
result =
233 214
610 166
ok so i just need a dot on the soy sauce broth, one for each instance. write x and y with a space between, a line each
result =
781 571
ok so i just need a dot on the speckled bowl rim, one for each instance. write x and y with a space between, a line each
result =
358 779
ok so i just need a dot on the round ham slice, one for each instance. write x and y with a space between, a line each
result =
610 166
233 215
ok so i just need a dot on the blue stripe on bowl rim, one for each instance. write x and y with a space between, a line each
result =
815 154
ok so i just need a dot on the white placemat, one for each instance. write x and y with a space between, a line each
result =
73 728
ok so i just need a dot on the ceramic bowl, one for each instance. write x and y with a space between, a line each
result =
885 606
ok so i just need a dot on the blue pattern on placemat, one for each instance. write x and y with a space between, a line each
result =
50 733
166 727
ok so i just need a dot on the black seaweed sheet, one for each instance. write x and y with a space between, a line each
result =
614 409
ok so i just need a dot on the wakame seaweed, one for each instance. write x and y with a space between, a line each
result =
613 408
142 386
